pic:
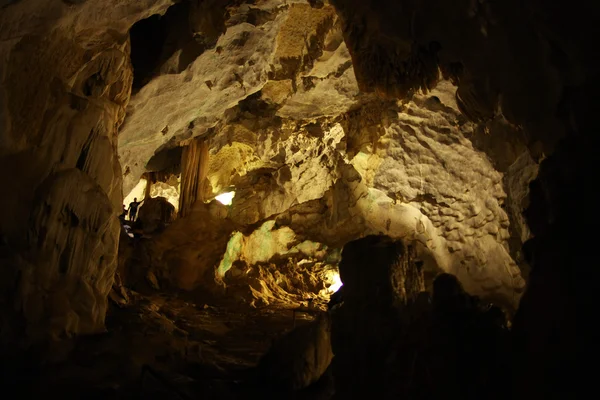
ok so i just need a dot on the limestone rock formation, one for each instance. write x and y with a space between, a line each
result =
65 79
272 91
362 176
433 122
530 62
186 253
289 50
412 172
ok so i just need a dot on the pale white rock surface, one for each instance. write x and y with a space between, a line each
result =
296 59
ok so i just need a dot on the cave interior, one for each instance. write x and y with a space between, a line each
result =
298 199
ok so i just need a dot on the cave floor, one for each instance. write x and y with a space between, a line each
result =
162 346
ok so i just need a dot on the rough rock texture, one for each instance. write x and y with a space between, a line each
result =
412 172
169 189
268 242
531 61
289 172
397 48
287 48
407 170
292 283
65 79
277 100
272 266
273 85
414 161
280 69
425 158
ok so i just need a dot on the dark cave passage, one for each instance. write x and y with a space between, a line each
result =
155 40
147 39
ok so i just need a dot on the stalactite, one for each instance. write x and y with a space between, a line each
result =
194 169
150 179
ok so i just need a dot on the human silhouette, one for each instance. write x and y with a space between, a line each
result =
133 207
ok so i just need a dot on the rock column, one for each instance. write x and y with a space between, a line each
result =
194 168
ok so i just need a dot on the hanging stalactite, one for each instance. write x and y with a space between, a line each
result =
194 168
150 179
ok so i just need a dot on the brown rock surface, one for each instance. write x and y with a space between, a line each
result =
186 253
63 101
424 121
155 214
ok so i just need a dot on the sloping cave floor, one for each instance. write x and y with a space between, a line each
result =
162 346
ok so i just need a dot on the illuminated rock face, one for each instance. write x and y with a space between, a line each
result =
284 139
409 171
274 90
278 99
529 61
274 266
65 79
296 53
425 160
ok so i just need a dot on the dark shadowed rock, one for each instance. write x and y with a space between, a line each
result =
299 358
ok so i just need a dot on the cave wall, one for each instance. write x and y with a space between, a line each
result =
65 80
285 127
186 255
273 82
505 56
530 62
407 170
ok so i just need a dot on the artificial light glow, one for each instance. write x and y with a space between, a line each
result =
225 198
333 283
137 192
169 190
337 282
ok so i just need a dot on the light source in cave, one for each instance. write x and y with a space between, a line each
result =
168 189
225 198
137 192
332 281
332 277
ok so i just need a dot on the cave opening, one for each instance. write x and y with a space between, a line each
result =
147 38
164 43
225 198
308 199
